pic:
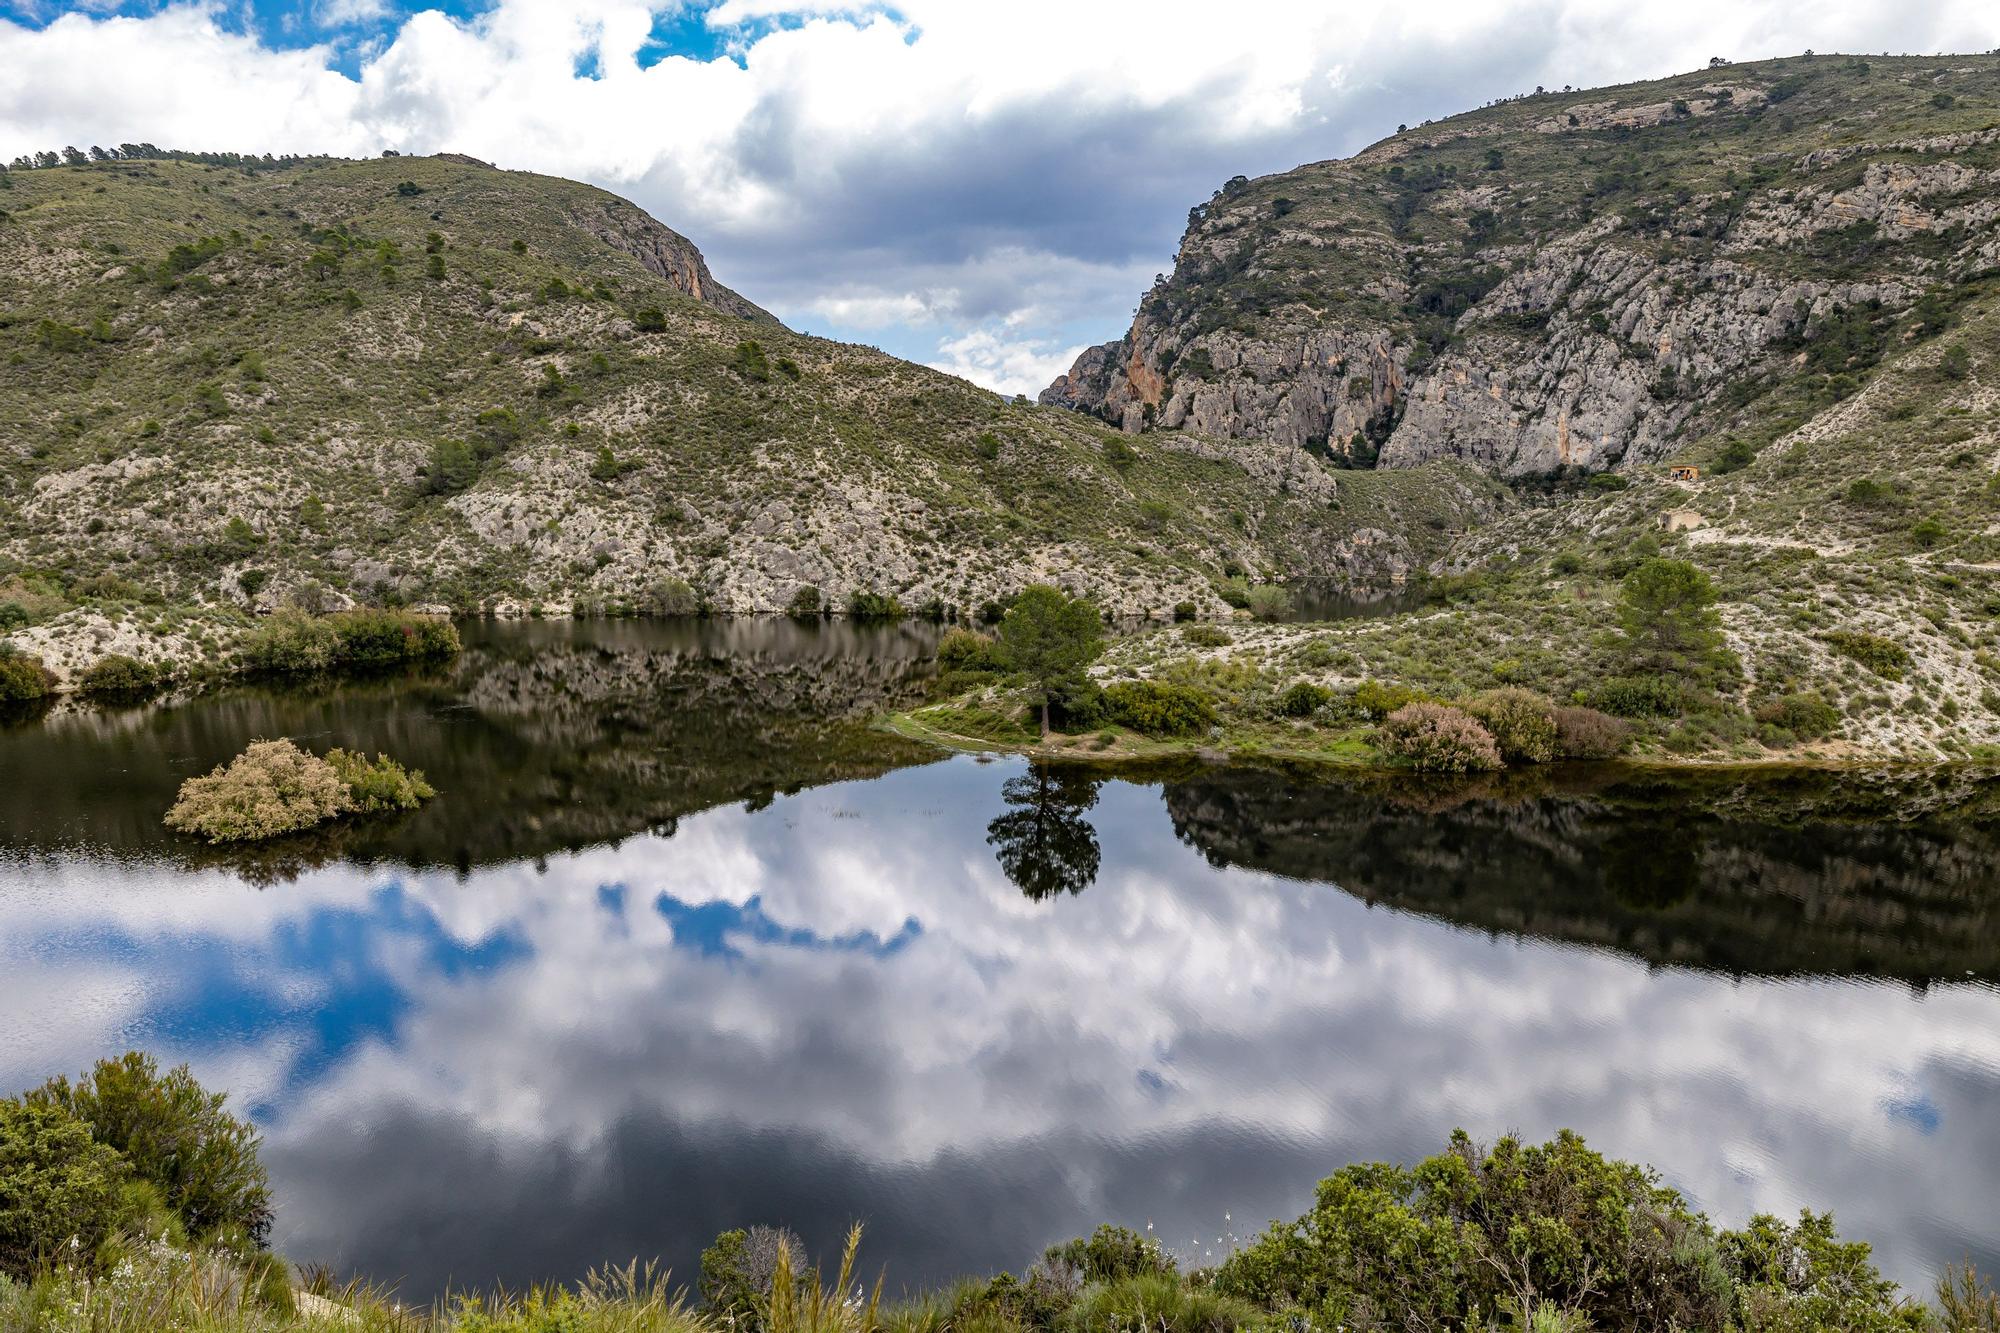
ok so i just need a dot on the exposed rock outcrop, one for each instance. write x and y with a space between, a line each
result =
1566 280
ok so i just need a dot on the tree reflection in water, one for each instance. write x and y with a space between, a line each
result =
1043 842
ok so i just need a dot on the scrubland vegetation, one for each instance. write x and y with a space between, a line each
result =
274 788
133 1200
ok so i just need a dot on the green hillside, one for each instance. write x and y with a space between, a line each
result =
229 387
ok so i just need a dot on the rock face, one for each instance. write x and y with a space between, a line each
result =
1573 281
665 253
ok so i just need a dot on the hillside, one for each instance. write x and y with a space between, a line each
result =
226 387
1577 280
1790 288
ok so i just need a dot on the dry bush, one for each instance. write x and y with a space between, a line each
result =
271 788
1437 738
1585 733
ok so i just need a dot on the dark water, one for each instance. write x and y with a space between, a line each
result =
683 946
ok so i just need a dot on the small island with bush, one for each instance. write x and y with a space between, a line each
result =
274 788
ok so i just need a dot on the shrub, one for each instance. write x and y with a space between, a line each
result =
1157 1303
873 606
967 650
1885 657
1585 733
1375 700
1805 716
673 597
1076 704
1160 709
116 675
806 603
1206 636
368 637
177 1135
381 785
22 676
56 1183
1735 456
1640 696
1928 532
272 788
1303 698
751 363
1268 601
453 467
736 1272
1110 1254
1437 738
1868 493
1235 590
650 319
1440 1244
1185 611
1521 722
291 643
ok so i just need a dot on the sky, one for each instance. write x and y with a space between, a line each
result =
983 187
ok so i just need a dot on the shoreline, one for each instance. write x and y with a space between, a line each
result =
1133 749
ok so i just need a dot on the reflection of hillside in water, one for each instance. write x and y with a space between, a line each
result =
1890 874
539 737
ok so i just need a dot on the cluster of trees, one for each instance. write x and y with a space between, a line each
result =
145 152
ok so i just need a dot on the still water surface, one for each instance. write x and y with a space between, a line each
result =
684 946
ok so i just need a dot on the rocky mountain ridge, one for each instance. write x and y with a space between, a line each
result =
1577 280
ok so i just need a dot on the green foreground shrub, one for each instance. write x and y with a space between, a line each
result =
175 1135
962 649
56 1183
1437 738
1160 709
1467 1238
1640 696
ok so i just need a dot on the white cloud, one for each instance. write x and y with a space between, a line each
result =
856 155
1023 365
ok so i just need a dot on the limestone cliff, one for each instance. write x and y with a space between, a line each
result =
1574 279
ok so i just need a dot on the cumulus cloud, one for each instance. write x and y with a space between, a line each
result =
955 165
1016 365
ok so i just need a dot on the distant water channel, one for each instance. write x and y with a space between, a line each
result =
685 945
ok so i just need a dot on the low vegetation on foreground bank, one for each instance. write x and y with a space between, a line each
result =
291 643
134 1200
1439 690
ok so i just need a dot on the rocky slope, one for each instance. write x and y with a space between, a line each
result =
225 386
1575 280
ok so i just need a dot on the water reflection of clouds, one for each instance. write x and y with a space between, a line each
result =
802 1013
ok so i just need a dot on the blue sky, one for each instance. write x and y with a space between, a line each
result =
981 187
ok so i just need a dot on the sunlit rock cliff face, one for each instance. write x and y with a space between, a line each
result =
1574 279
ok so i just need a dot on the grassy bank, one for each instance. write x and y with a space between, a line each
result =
133 1200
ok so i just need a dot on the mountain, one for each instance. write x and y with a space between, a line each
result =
230 383
1576 280
1780 275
